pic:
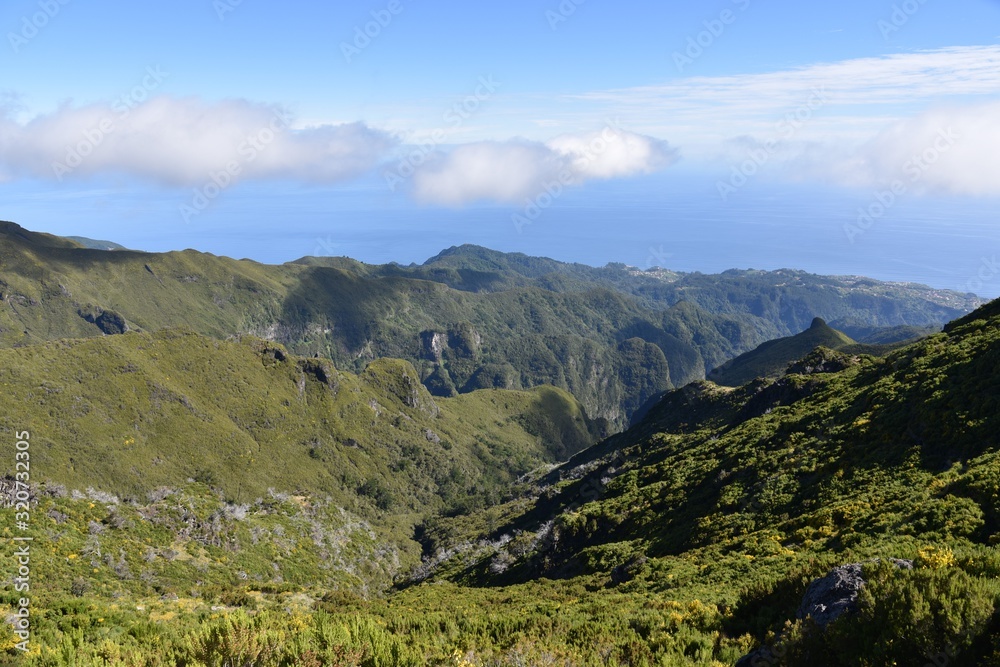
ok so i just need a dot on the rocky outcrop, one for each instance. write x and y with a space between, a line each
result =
434 344
108 321
399 379
826 600
322 371
822 360
836 594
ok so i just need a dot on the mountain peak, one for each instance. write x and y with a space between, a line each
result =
773 357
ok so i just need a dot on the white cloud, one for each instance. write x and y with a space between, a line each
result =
863 95
511 171
180 141
953 150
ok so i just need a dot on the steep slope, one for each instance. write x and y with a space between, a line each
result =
687 540
133 413
773 357
468 319
739 497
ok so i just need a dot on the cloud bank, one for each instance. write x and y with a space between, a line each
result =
508 172
181 141
863 90
952 150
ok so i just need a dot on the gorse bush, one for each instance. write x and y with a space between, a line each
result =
467 319
199 502
904 618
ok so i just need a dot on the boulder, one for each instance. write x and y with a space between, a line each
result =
826 600
836 594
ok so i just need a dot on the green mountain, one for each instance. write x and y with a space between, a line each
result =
773 357
724 503
467 319
689 539
203 498
137 414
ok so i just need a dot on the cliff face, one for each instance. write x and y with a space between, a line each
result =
468 319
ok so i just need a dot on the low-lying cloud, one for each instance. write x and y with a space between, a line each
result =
508 172
181 141
954 150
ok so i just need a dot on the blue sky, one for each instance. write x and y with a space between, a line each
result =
590 131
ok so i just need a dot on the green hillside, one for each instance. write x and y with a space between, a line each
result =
773 357
132 414
735 499
687 540
467 319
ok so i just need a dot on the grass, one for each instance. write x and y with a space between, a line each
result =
614 337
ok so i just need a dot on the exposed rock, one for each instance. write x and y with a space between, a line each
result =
829 598
434 343
822 360
108 321
8 492
826 600
322 371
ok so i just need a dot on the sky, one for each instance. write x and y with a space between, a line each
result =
840 138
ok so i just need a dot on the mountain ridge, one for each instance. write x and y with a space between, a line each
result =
770 359
586 330
210 500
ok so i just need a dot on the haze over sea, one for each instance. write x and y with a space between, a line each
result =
675 220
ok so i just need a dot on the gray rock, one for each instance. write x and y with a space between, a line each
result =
826 600
836 594
108 321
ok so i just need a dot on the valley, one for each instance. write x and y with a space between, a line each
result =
219 475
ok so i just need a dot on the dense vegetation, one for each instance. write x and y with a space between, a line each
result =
135 413
739 497
687 540
772 359
467 319
207 499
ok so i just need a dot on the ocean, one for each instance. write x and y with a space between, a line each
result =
675 220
